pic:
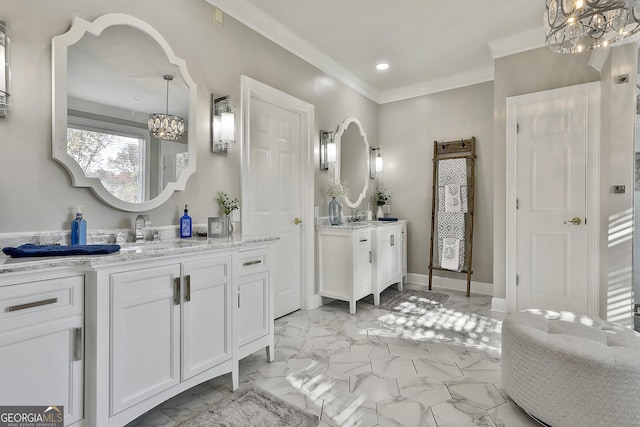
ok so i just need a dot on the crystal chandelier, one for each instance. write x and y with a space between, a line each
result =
578 25
164 126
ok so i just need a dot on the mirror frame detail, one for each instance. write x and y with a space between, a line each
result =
59 46
338 139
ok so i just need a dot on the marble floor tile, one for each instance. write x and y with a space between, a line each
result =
307 360
349 364
424 389
374 387
304 402
349 409
402 412
153 418
475 392
483 369
331 345
294 345
371 347
409 350
449 352
320 383
510 415
191 402
460 414
437 368
393 366
281 385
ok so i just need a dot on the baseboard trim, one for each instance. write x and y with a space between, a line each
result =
499 305
449 283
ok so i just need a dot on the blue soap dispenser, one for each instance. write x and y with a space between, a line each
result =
185 224
79 229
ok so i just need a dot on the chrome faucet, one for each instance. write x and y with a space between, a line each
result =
142 222
356 217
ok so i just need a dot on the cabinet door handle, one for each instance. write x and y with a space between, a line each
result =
187 295
238 299
393 243
78 344
176 291
248 263
364 240
32 304
370 257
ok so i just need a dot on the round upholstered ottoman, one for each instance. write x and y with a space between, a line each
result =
571 370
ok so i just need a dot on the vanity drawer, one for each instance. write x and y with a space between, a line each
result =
251 262
29 303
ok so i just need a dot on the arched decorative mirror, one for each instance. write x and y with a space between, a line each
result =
109 76
353 160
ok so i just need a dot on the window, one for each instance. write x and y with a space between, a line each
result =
113 153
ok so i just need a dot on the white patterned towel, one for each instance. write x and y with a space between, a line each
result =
450 254
451 225
452 202
452 172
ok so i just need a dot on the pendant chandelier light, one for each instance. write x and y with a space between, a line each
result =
164 126
578 25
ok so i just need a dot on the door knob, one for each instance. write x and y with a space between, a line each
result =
574 221
297 221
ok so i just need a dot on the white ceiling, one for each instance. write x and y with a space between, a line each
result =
430 45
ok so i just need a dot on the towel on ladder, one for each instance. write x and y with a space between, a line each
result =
451 225
452 185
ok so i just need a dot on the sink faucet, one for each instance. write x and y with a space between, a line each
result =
142 221
356 217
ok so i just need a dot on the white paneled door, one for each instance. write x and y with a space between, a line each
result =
274 195
552 190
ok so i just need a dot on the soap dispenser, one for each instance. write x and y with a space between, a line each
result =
185 224
79 229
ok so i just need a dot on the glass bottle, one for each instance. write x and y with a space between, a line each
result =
335 211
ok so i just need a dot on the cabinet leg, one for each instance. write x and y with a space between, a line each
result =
400 285
270 353
376 298
352 307
235 376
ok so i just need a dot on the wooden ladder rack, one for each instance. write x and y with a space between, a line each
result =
460 149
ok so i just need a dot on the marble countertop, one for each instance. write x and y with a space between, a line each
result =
135 251
358 224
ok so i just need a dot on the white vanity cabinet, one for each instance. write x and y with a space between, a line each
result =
41 341
387 258
344 259
404 251
253 305
168 324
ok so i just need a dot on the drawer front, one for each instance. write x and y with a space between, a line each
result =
29 303
250 262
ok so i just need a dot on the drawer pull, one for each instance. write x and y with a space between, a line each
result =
248 263
32 304
187 295
364 240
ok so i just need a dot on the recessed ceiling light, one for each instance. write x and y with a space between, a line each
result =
382 66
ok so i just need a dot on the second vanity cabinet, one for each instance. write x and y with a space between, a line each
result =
344 257
360 259
168 324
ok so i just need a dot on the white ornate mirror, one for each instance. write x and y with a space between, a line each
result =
353 160
107 80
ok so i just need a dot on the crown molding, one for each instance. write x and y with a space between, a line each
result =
521 42
257 20
455 81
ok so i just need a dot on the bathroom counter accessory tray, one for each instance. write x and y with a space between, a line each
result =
463 149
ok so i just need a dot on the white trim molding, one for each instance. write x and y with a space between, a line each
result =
521 42
499 305
481 288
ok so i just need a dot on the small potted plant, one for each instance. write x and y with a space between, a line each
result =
227 205
381 199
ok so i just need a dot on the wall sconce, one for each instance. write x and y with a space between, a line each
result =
5 72
375 162
328 149
223 124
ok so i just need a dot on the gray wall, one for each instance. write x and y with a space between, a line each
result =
407 130
36 192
